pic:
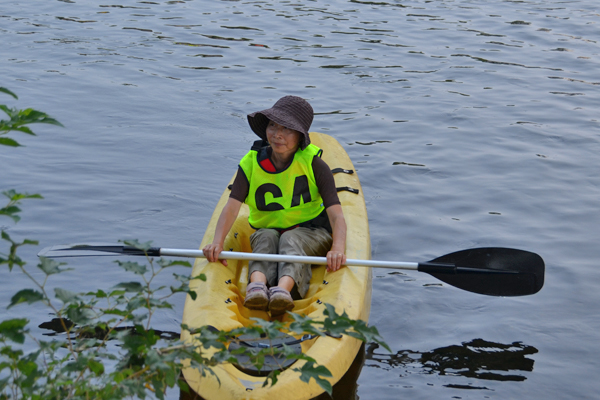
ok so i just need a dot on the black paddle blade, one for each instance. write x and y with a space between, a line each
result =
493 271
95 249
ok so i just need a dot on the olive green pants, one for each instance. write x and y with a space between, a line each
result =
298 242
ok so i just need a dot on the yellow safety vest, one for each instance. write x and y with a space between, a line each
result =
282 199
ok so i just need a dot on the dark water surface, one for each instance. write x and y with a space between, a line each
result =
471 124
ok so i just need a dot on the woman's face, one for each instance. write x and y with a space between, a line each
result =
283 141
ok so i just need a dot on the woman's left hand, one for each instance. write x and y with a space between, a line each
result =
336 256
335 260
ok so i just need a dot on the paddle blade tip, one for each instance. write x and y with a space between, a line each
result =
493 271
92 249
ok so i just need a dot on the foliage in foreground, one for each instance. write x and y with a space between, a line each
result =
108 349
19 119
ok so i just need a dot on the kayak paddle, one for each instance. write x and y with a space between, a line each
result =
494 271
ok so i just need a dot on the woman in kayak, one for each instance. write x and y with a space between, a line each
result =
293 204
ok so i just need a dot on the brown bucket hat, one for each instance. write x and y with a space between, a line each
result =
293 112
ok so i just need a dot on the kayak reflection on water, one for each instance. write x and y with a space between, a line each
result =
478 359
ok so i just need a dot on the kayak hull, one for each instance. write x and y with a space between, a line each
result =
219 301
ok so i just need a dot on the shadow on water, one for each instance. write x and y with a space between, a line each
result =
479 359
56 326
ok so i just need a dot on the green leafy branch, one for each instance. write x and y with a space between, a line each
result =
90 320
14 200
19 119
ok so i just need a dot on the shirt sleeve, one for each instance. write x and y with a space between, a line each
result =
240 187
325 182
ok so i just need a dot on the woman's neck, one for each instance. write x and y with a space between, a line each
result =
281 162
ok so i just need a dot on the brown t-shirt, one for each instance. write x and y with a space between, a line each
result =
323 177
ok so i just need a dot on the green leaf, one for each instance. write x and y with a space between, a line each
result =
137 318
23 129
5 90
66 296
187 278
96 367
29 296
170 377
136 302
14 329
308 370
193 295
27 367
100 294
50 266
115 311
172 263
304 324
132 267
14 196
10 193
136 243
80 314
9 142
79 364
119 377
369 334
132 287
117 293
153 359
4 382
271 328
159 388
11 212
183 386
30 116
273 375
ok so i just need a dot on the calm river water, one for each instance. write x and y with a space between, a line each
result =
471 123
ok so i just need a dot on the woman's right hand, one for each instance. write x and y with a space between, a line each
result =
212 251
226 219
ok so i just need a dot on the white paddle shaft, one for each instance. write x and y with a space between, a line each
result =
233 255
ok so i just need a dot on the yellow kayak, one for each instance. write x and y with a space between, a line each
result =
220 298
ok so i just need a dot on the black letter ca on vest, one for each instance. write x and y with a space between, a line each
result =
301 192
259 197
